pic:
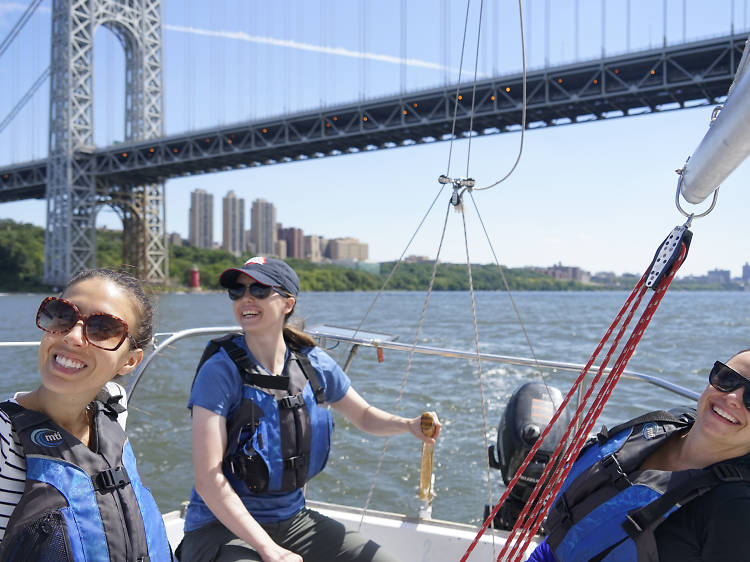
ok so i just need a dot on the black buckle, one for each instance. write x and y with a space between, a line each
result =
616 474
111 479
288 402
727 473
294 462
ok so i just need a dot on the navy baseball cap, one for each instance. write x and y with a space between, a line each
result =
266 271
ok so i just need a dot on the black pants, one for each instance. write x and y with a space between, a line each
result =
313 536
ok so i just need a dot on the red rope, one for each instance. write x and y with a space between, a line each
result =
530 519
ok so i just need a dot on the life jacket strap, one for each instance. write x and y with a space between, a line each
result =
636 522
111 479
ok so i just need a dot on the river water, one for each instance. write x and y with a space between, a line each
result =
688 333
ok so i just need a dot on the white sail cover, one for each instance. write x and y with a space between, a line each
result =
725 145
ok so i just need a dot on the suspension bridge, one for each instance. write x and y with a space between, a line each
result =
78 175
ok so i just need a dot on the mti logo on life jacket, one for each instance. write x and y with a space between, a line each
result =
47 437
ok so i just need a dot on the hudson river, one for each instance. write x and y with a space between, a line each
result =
688 333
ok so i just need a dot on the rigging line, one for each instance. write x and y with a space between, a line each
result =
483 400
400 260
408 366
523 106
458 90
474 90
15 30
24 99
505 282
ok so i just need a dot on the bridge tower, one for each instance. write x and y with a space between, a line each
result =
74 193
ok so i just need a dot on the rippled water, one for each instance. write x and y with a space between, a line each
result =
688 333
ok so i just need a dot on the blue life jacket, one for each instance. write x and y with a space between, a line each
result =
608 509
280 436
79 504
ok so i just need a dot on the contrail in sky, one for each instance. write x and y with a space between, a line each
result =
291 44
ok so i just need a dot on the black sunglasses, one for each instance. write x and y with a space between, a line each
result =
257 291
726 379
102 330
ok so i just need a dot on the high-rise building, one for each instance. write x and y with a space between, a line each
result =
746 272
233 224
263 227
201 219
347 249
312 248
295 241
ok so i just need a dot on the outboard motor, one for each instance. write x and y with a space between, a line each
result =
527 414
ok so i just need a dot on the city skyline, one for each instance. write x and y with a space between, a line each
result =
265 236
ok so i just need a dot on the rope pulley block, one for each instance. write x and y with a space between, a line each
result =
667 255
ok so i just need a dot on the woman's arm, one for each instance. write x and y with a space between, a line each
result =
378 422
209 445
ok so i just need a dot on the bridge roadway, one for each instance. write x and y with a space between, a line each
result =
661 79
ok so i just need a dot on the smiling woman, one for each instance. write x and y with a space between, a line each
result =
674 485
261 430
65 462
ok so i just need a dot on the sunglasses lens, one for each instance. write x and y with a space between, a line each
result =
257 291
56 316
260 291
236 291
726 379
723 378
105 331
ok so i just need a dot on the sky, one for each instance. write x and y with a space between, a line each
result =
598 195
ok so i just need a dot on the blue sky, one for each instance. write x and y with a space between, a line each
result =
598 195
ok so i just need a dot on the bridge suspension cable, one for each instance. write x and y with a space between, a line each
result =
15 30
24 99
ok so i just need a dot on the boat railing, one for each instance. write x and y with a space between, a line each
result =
324 333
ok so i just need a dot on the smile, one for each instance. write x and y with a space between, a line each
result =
68 363
725 415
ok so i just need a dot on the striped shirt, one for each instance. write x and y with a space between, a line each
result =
13 460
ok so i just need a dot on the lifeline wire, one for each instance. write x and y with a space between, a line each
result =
408 366
479 361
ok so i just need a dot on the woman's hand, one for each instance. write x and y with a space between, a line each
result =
415 427
275 553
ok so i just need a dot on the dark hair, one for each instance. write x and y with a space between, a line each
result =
132 286
295 337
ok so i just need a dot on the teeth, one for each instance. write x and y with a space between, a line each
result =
724 415
69 363
249 313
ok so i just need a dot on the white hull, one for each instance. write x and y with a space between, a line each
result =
409 538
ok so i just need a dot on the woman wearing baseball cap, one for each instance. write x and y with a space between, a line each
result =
261 429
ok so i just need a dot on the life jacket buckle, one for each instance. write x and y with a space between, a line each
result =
727 473
294 462
616 474
288 402
111 479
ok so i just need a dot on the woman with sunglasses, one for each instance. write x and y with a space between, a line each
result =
261 429
69 486
667 486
